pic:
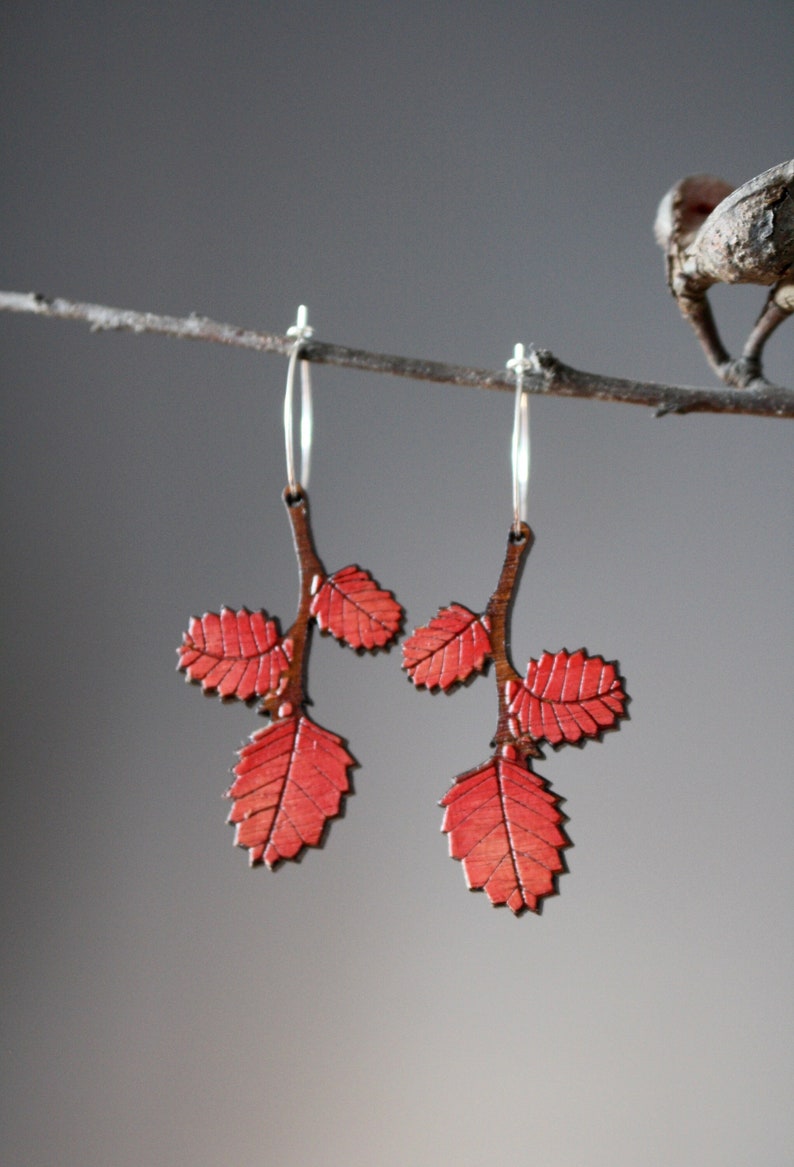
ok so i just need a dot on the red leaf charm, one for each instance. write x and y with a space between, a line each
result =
350 605
567 697
454 645
506 827
289 781
238 654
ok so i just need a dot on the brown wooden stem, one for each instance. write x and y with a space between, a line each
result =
498 614
311 574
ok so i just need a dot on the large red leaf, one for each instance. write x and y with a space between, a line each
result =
236 654
289 781
506 828
350 605
454 645
566 697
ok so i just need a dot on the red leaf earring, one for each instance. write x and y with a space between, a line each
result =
503 823
292 775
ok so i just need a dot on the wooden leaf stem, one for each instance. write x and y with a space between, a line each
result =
291 696
498 616
550 376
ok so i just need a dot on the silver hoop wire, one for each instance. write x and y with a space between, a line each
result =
301 331
520 455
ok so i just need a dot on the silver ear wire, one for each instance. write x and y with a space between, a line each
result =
301 331
520 445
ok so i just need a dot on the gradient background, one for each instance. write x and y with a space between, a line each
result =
438 180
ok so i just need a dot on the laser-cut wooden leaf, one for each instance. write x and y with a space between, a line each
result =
350 605
236 654
289 782
566 697
506 828
454 645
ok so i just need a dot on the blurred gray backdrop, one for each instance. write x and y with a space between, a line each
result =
439 180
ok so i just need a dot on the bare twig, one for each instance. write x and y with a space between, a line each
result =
551 378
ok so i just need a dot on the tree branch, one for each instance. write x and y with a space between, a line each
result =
550 377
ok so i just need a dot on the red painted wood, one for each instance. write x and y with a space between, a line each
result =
566 697
235 654
506 828
350 606
454 646
289 782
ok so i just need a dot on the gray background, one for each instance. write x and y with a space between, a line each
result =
440 180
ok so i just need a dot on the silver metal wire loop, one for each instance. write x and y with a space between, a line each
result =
301 331
520 446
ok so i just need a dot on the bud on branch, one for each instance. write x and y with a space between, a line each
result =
712 234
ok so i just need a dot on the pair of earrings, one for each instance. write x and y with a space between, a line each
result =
503 823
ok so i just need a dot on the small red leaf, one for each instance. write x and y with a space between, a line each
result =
236 654
454 645
506 827
566 697
350 605
289 781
